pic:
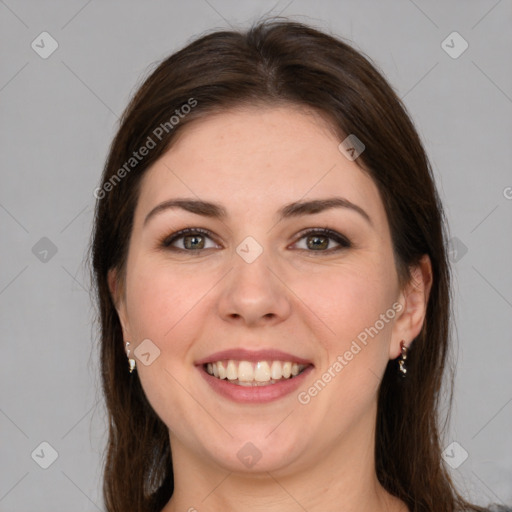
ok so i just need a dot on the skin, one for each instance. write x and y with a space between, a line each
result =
310 302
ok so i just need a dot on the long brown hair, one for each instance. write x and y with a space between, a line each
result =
280 62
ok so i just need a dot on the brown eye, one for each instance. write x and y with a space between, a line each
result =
320 241
317 242
193 241
196 239
190 240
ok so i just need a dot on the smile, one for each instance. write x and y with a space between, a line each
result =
258 373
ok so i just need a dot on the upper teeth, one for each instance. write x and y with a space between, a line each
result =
261 371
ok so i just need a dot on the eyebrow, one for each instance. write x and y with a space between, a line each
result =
296 209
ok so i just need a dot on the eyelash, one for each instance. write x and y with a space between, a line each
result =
344 243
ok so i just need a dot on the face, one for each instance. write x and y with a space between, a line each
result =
269 281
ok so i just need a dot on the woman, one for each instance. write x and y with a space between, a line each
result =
270 261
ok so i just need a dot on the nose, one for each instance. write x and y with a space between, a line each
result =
254 293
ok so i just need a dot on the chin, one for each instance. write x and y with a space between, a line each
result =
258 453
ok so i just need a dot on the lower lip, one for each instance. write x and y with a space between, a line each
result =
255 394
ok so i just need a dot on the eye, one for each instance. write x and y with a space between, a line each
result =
189 240
319 240
195 240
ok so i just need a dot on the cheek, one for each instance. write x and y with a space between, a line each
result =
350 303
163 304
348 299
159 299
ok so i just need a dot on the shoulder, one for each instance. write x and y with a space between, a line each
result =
499 508
493 507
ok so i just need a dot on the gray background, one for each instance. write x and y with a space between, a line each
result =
58 116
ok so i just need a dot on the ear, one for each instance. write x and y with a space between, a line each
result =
118 298
414 298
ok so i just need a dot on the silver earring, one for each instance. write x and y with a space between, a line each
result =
403 357
131 362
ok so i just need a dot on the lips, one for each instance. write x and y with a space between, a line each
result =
240 354
254 376
248 373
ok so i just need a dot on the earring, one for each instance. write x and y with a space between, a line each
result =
403 357
131 362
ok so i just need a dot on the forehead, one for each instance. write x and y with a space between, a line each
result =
257 159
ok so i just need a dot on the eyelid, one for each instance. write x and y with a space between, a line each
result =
342 241
167 240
